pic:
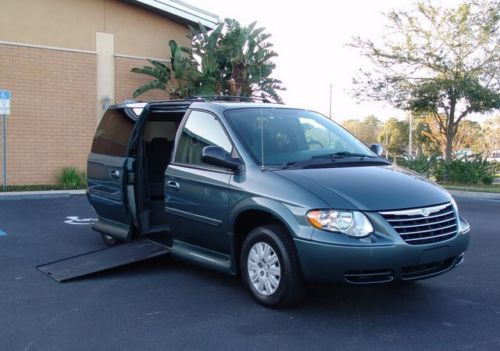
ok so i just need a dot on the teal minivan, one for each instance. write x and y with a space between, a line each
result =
283 196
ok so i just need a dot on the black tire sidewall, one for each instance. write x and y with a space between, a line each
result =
273 236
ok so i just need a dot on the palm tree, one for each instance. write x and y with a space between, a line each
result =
248 58
178 79
230 60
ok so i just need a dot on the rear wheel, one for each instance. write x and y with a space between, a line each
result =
109 240
270 268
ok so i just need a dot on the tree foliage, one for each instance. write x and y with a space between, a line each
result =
231 60
469 135
491 130
394 136
442 62
366 130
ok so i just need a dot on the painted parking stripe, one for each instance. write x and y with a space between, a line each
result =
2 233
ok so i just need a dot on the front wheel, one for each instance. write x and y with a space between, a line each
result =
270 268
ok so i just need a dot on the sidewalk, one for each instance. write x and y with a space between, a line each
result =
36 195
475 194
54 194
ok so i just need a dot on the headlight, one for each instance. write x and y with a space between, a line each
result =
351 223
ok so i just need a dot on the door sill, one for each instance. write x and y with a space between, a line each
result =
202 257
116 230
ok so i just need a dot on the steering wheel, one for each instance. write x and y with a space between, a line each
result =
315 142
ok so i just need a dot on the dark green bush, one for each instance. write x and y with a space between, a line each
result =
465 171
488 179
72 178
421 164
458 171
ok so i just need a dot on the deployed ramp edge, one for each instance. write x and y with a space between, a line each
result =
103 259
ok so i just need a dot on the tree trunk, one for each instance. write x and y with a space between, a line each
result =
449 145
450 127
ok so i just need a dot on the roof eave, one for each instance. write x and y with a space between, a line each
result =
179 12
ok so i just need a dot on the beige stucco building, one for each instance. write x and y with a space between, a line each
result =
65 60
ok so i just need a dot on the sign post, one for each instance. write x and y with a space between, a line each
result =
4 111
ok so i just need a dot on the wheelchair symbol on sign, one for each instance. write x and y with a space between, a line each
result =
75 220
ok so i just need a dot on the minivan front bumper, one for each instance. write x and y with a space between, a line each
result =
323 262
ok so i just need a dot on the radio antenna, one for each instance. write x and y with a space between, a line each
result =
261 140
261 127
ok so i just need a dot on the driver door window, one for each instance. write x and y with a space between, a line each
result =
201 129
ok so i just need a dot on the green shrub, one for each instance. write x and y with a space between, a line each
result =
488 179
465 171
458 171
72 178
421 164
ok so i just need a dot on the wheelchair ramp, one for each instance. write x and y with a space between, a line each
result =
103 259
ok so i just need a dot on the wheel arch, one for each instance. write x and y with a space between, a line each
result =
256 212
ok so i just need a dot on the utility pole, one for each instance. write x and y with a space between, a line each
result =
386 145
410 145
330 111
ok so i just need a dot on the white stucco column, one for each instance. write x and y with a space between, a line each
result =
105 49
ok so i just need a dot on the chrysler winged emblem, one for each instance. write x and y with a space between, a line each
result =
425 212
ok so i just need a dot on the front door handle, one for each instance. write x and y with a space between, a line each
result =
115 174
173 185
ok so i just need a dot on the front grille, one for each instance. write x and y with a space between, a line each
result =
369 277
428 269
424 225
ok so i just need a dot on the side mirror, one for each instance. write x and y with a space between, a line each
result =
216 156
377 148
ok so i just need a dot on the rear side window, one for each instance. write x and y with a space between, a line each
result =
201 129
113 133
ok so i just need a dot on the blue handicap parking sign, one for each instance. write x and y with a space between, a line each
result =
4 102
4 94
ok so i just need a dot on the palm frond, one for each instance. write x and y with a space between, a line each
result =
154 84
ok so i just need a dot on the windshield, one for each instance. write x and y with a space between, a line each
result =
276 136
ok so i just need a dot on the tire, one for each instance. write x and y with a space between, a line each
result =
108 240
270 268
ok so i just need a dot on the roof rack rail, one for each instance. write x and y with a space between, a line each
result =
207 98
229 98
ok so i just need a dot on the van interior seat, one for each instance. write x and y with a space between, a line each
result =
158 152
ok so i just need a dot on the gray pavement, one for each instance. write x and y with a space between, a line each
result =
167 305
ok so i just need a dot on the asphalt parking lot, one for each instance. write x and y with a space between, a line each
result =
166 305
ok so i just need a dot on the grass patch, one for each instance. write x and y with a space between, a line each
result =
72 178
478 188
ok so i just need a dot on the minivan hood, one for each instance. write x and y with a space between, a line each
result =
368 188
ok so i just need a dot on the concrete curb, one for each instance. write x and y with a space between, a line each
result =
475 194
55 194
39 195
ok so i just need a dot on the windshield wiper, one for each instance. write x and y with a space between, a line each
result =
342 154
319 160
287 164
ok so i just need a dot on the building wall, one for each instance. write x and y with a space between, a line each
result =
48 59
127 82
53 111
73 24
